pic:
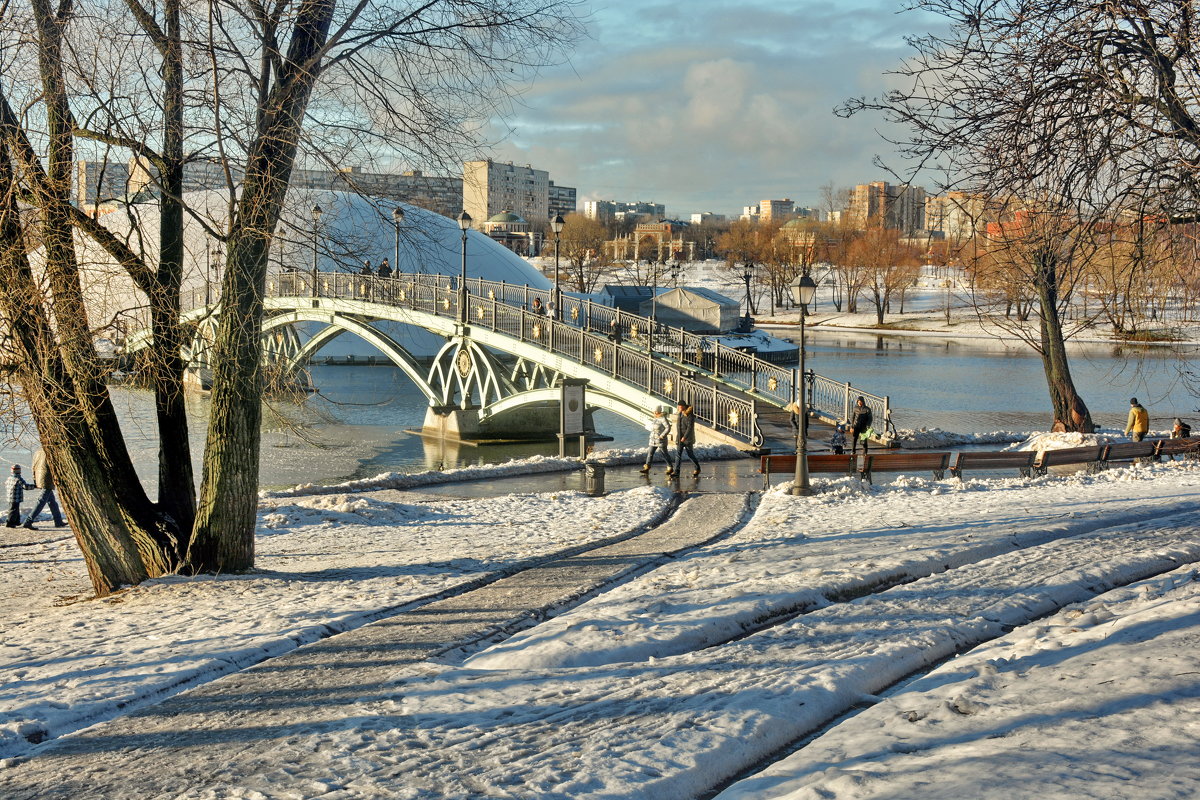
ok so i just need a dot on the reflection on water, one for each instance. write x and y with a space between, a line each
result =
355 425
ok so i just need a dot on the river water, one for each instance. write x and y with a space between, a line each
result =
355 425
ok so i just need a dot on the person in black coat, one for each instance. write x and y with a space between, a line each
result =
860 420
685 438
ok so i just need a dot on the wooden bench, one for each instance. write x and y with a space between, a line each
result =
905 462
822 462
1178 447
1021 460
1128 452
1067 456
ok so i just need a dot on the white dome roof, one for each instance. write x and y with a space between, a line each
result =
354 229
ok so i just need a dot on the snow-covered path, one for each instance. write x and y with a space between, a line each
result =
680 680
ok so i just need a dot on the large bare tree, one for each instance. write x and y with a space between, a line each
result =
250 89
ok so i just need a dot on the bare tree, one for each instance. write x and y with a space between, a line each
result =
1077 109
888 266
250 89
582 244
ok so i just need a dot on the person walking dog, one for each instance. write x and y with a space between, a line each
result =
44 481
16 493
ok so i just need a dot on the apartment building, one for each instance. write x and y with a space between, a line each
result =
490 188
95 183
605 210
561 200
958 216
900 207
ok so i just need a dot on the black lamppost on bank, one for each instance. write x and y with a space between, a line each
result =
557 225
397 219
464 224
803 289
316 217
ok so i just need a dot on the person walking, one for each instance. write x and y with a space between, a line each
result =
860 422
44 481
538 308
16 493
385 269
660 432
1138 424
685 438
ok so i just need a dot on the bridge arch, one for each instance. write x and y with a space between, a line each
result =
336 325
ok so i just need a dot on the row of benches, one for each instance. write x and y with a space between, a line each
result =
1028 462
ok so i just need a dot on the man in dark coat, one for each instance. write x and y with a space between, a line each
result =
860 421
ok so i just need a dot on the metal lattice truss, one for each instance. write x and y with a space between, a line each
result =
463 374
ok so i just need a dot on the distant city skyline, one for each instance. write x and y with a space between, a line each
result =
709 106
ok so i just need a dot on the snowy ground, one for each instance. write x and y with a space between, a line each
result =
1046 626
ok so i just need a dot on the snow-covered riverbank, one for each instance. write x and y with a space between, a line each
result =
1072 602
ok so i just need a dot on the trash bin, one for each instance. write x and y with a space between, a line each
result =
593 478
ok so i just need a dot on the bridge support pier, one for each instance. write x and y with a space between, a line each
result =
535 423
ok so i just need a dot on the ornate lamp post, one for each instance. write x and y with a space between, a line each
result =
397 219
803 290
464 224
316 217
556 225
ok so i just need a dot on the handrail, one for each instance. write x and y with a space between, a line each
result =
676 353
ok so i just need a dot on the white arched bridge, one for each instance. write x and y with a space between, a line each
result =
502 366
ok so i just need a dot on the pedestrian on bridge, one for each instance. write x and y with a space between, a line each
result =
385 269
685 438
538 308
660 432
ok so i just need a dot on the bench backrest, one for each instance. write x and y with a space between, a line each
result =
821 462
994 460
1174 447
1124 451
895 462
1069 455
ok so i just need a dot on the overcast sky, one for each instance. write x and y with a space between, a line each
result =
708 105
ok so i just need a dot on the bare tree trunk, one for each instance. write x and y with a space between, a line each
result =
1070 412
176 482
224 536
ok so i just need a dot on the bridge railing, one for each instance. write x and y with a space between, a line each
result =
666 354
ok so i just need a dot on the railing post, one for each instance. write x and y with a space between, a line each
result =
846 403
753 373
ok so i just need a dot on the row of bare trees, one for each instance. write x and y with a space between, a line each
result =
250 88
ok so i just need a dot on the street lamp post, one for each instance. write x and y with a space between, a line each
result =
803 290
557 225
747 276
464 224
316 217
397 219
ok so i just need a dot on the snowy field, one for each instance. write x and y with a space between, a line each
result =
918 639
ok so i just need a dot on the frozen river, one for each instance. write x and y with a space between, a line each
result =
355 426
